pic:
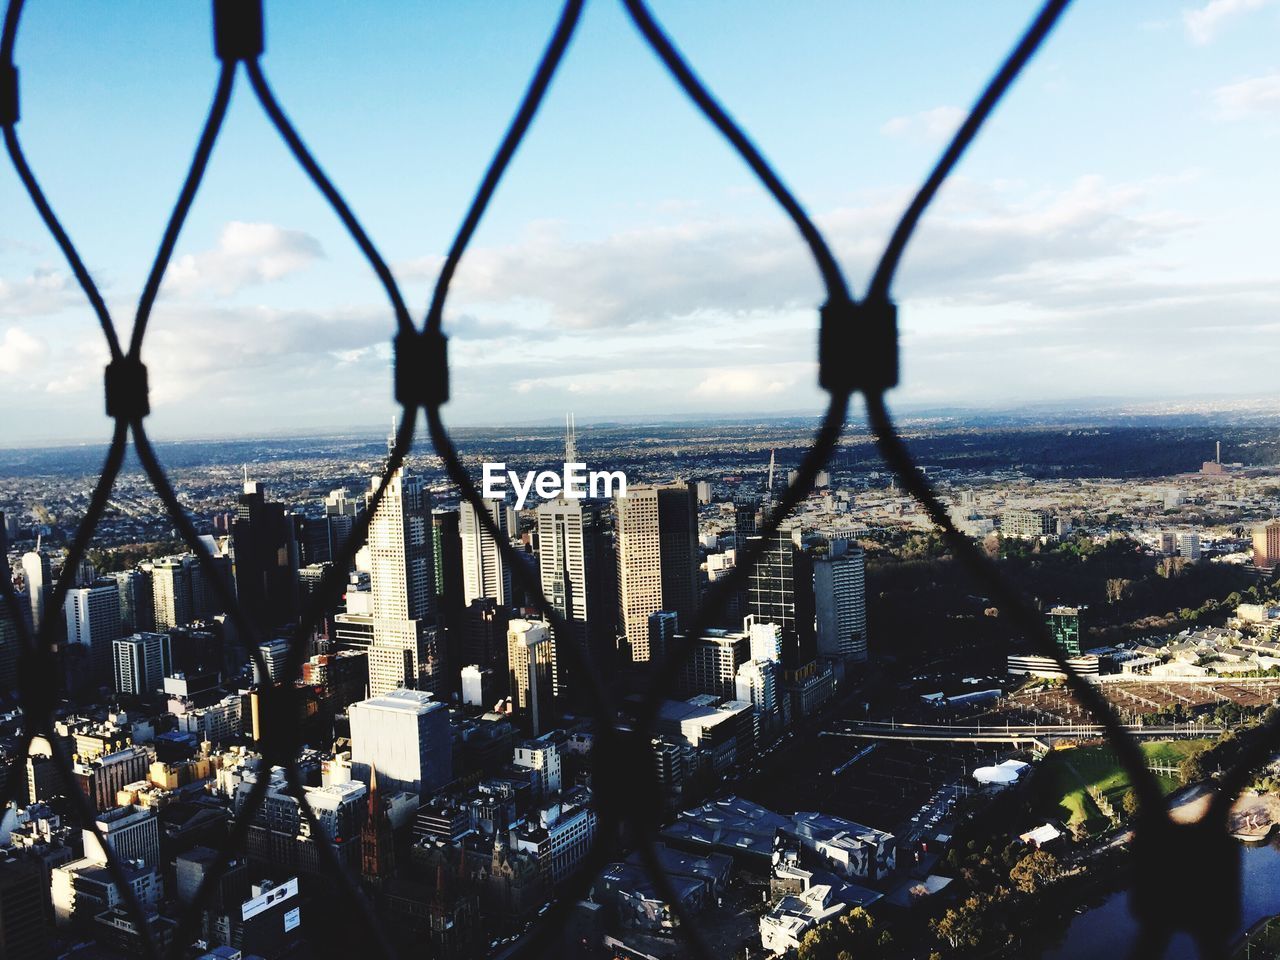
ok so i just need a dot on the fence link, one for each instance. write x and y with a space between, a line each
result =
1186 877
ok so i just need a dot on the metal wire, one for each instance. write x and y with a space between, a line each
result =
624 775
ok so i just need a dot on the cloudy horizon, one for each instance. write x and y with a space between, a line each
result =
1108 234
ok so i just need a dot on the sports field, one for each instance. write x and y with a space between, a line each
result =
1063 779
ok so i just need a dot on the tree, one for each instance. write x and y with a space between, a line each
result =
853 934
962 927
1129 802
1035 871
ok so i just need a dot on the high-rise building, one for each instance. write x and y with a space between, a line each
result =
484 572
266 559
1189 545
485 644
840 596
132 832
639 549
142 661
712 665
93 622
663 626
451 612
172 591
25 931
342 512
570 537
137 608
531 659
1064 627
1026 524
756 683
406 651
10 649
678 532
1266 545
405 735
780 591
746 515
39 578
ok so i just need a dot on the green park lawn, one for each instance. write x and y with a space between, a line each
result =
1063 779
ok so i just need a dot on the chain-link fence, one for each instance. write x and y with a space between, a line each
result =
1186 876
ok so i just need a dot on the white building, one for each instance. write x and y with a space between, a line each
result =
93 621
141 663
484 572
406 651
541 754
405 735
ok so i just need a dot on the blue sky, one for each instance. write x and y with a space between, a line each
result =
1110 233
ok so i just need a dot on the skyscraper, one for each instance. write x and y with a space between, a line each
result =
341 512
406 651
484 572
569 534
780 590
137 608
639 547
1266 546
1064 627
840 594
142 661
405 735
93 622
266 559
678 533
35 570
531 656
171 591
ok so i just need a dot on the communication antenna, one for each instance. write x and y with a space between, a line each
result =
769 486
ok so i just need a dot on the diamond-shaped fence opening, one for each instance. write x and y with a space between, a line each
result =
858 354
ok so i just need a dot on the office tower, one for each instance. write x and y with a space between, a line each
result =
840 595
93 622
275 657
746 510
137 608
756 683
39 577
142 661
704 491
406 651
663 626
171 591
1026 524
266 559
485 643
281 839
542 754
446 548
570 544
780 590
10 649
342 513
405 735
678 533
712 664
484 572
25 931
531 659
132 832
1168 541
1266 545
1064 627
639 568
1189 545
765 638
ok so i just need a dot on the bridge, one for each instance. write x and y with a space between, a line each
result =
1042 733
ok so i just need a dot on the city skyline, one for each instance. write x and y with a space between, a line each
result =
1085 242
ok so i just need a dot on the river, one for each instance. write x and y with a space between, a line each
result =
1110 930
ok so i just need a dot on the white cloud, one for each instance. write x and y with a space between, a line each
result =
1202 23
1254 95
932 125
20 352
44 291
742 382
247 254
